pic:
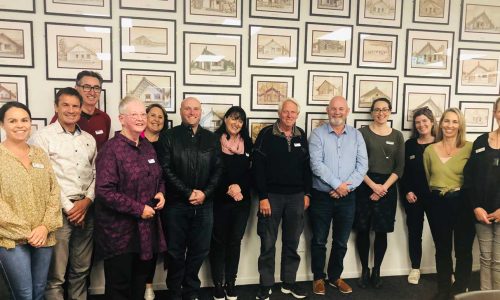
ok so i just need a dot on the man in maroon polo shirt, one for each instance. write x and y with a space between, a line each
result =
92 120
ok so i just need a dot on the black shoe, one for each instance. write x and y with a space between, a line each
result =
294 289
375 278
364 279
219 291
264 293
230 291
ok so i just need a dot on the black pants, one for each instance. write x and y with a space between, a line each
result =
290 208
451 221
125 276
188 230
230 222
415 223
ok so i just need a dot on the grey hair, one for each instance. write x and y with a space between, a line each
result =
122 107
281 103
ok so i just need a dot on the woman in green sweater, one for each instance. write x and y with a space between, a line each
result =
450 216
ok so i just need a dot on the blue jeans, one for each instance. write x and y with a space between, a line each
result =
26 270
324 211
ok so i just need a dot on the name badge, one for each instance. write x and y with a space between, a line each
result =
247 154
99 131
480 150
296 144
38 165
389 142
151 161
412 156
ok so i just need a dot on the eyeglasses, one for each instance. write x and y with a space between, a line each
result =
383 110
136 116
88 88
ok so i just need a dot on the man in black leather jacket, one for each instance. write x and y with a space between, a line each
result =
191 161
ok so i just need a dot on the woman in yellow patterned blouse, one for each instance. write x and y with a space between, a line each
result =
30 210
450 217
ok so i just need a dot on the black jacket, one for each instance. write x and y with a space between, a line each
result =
281 167
189 161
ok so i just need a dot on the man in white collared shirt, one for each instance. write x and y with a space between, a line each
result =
72 153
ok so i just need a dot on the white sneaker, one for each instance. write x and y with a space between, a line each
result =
414 276
149 294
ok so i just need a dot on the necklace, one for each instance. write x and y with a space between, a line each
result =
448 153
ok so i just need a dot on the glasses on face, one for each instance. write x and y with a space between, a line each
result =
381 110
88 88
136 116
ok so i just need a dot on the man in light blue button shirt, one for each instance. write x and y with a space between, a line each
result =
339 162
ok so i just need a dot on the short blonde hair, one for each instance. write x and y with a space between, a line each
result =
281 103
461 126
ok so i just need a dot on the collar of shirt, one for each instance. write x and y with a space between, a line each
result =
276 130
330 130
60 129
128 141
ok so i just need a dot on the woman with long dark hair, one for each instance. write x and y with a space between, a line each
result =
231 203
481 178
449 214
376 197
30 209
414 188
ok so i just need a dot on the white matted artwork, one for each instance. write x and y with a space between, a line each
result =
434 97
13 88
480 21
273 47
213 107
335 8
16 43
281 9
255 125
26 6
478 116
377 50
323 86
37 124
315 120
72 48
151 86
147 39
222 13
268 91
431 11
157 5
429 53
79 8
212 59
478 72
328 43
383 13
370 87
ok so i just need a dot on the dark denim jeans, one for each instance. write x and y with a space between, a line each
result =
26 270
451 221
188 230
324 211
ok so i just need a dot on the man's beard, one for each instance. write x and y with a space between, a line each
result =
337 121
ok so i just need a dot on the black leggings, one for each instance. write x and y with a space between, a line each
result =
379 247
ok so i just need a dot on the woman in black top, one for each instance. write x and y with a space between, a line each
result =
156 123
482 187
231 202
414 187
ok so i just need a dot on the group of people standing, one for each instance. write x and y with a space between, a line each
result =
186 192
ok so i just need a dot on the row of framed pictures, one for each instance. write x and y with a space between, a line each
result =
267 91
478 17
216 59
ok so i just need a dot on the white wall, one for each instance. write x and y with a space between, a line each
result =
41 91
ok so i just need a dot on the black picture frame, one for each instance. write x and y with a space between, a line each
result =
275 14
28 59
346 14
149 8
262 121
472 121
481 34
273 91
272 34
380 22
18 80
19 10
393 53
329 89
428 19
480 72
309 54
60 11
217 20
381 78
322 118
